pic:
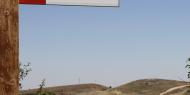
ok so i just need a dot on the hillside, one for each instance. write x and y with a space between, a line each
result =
69 89
102 93
138 87
179 90
148 86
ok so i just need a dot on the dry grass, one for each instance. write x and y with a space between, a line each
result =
70 89
148 86
179 90
115 92
139 87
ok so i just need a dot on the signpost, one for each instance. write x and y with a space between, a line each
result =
9 47
9 37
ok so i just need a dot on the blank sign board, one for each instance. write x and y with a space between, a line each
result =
73 2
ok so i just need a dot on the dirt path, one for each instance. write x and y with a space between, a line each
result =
174 88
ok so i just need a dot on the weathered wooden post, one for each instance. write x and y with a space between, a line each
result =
9 47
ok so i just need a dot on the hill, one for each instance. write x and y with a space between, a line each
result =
102 93
69 89
138 87
148 86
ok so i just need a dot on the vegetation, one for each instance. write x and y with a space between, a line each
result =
148 86
138 87
69 89
23 72
188 67
42 91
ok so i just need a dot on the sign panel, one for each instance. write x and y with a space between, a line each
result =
73 2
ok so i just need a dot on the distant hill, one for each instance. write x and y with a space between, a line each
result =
138 87
69 89
148 86
102 93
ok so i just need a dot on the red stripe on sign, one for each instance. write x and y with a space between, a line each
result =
42 2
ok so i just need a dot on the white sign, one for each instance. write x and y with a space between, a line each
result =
73 2
85 2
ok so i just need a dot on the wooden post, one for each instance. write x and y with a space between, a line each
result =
9 47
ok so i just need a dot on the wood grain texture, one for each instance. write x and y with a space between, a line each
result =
9 47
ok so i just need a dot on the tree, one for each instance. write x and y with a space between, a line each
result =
188 67
42 91
23 72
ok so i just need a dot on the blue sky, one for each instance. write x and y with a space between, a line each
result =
110 46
